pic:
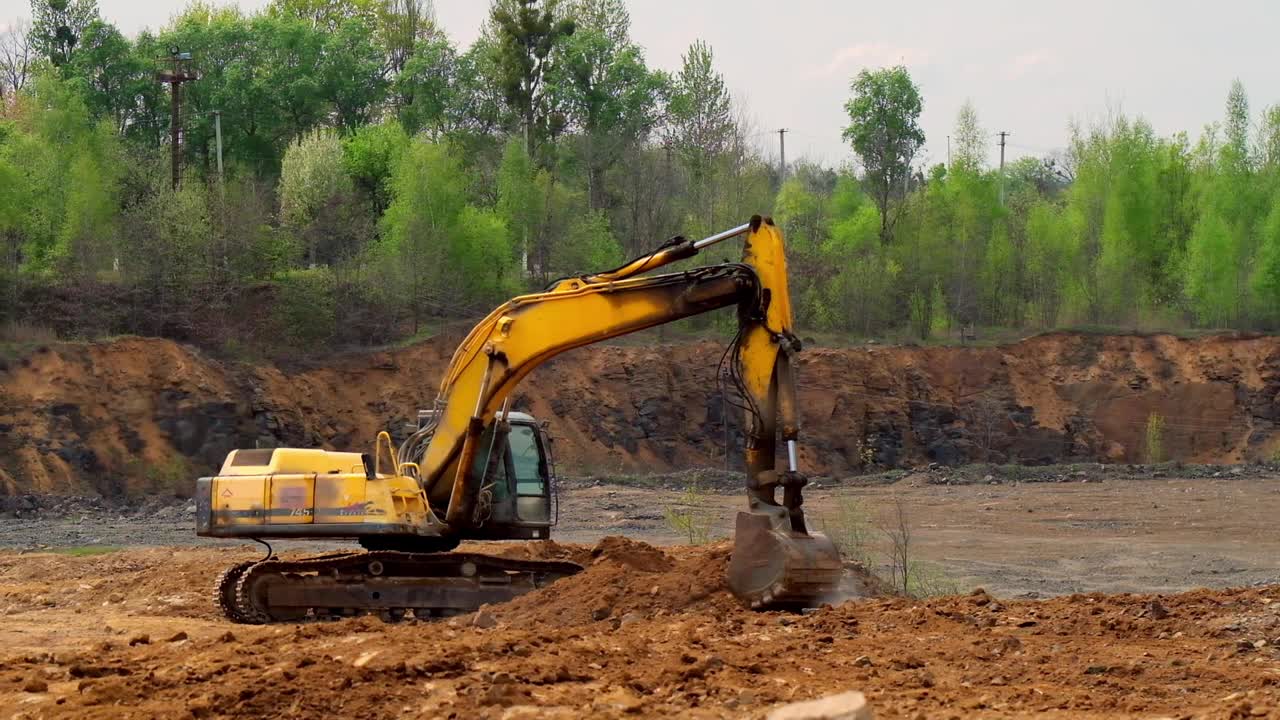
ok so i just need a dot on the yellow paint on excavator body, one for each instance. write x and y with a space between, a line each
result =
289 486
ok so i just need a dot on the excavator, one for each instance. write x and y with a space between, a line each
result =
475 469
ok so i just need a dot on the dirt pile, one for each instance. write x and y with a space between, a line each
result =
78 653
137 416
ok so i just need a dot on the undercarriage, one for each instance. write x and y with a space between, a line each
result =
393 585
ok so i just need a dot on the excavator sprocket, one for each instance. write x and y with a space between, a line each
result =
384 582
773 567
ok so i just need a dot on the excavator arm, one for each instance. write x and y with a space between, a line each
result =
776 560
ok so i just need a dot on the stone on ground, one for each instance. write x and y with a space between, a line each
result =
845 706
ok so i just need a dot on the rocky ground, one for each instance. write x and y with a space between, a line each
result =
95 624
643 632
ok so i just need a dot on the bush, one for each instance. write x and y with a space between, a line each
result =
1155 438
306 306
690 515
849 526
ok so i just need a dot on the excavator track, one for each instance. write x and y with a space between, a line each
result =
225 590
391 584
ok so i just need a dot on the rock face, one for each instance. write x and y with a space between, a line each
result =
140 416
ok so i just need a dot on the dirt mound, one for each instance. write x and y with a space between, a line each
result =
1203 654
139 416
628 581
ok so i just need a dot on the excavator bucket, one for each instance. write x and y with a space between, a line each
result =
773 566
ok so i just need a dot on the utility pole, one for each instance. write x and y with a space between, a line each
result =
217 134
175 77
782 155
948 153
1003 136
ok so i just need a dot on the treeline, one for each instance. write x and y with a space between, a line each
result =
377 180
1123 228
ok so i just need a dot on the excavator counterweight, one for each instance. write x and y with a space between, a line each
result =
474 469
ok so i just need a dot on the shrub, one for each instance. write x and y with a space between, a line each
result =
690 515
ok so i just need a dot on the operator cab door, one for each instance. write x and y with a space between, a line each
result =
531 474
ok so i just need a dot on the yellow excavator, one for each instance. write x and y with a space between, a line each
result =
474 469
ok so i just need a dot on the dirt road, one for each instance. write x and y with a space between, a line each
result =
1108 531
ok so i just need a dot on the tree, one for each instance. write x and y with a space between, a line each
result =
312 178
371 155
520 202
526 32
69 167
402 24
1222 245
610 94
58 25
427 87
166 252
16 56
443 254
700 126
326 16
350 66
701 113
884 130
112 73
970 139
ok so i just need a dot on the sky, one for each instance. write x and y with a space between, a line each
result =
1030 68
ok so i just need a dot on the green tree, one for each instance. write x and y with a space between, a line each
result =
970 139
350 66
167 252
326 16
611 95
70 168
700 128
526 32
884 130
521 200
402 25
442 253
113 74
428 86
370 156
57 27
1223 242
312 179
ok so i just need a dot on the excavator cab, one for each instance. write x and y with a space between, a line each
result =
517 498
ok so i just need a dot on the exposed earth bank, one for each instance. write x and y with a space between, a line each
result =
137 416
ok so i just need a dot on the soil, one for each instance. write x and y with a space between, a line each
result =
648 630
643 632
1093 529
136 417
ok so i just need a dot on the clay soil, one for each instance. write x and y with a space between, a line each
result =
136 417
642 632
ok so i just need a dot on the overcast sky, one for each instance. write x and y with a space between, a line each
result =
1029 67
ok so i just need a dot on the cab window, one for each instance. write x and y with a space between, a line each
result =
526 460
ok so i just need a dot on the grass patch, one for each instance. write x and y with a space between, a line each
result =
690 515
86 550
